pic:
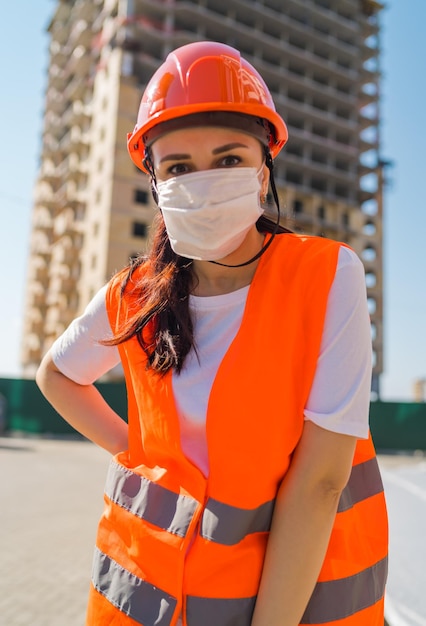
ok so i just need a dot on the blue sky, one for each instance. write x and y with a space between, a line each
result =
23 58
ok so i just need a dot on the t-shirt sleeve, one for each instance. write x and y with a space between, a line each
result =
78 353
340 395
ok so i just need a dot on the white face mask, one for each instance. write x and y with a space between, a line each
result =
209 213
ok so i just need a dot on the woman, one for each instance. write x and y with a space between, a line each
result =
245 489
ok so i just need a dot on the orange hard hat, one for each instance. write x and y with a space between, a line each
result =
204 77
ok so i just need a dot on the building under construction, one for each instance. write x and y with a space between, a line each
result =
92 208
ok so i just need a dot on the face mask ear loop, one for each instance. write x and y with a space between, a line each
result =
148 165
270 165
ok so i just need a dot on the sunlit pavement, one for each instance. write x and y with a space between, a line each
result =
51 500
404 478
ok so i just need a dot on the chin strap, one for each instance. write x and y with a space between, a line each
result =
270 165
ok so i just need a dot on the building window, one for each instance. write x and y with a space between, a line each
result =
319 157
368 254
369 228
296 122
342 191
296 69
319 184
370 207
139 229
141 196
320 104
295 149
371 303
343 138
321 213
318 129
294 177
321 79
298 206
297 96
343 166
343 112
343 88
212 6
370 279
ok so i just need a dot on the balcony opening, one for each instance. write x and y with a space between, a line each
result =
319 157
297 206
294 176
342 191
139 229
369 254
140 196
319 184
370 279
372 305
369 228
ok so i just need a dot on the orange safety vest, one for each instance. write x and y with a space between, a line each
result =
173 542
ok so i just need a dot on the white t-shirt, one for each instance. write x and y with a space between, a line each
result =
340 394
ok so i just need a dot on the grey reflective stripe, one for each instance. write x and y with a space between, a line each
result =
330 601
219 611
336 599
228 525
144 603
365 481
149 501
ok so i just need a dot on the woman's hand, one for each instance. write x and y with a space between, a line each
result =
303 518
83 407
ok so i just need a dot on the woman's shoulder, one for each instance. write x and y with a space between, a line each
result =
307 247
304 240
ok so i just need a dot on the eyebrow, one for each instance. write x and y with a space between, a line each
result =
175 157
219 150
228 146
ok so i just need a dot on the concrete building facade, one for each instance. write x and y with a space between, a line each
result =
92 208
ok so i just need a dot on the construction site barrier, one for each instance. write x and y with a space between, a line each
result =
26 410
23 409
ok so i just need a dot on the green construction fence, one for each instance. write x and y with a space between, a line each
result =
23 409
26 410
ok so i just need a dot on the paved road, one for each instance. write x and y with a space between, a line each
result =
49 508
51 500
405 486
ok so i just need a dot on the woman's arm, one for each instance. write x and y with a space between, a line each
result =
303 518
83 407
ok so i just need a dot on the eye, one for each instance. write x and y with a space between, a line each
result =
230 160
178 168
